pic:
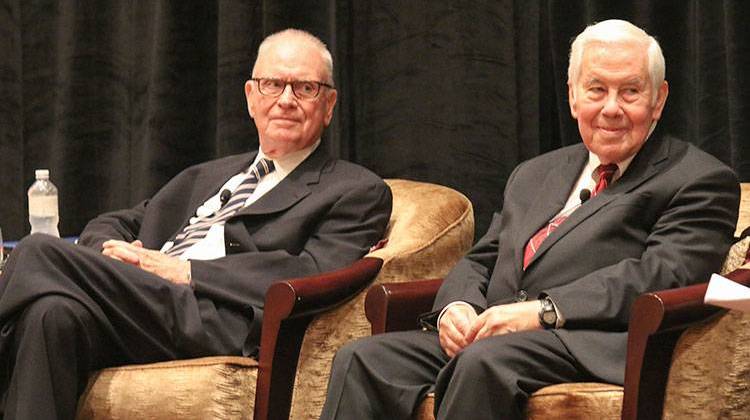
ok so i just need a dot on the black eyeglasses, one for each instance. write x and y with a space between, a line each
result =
302 89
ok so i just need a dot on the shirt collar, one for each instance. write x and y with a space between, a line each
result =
287 163
594 162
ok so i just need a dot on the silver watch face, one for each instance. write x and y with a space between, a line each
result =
550 317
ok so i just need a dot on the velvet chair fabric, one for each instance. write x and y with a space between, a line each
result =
710 373
743 221
431 227
205 388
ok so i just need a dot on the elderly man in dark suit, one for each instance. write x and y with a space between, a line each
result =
544 296
184 274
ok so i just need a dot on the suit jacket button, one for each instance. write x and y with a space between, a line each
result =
522 296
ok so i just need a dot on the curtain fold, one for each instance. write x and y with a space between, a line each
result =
117 97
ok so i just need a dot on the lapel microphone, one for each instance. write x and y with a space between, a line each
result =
224 197
584 195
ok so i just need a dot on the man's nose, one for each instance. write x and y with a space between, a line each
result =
611 105
287 97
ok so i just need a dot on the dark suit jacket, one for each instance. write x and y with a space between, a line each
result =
322 216
666 223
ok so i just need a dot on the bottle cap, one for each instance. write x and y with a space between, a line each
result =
42 173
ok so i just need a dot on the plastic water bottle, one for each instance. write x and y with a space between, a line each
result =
43 210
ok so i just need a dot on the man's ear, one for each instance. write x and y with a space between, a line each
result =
572 101
661 99
248 97
330 104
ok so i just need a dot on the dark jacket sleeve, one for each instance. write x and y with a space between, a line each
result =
122 224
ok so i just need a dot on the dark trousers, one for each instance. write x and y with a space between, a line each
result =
387 376
66 310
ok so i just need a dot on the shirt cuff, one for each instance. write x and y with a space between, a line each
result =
560 319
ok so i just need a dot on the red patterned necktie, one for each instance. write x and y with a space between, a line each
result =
605 173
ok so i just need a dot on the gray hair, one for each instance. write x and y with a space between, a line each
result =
325 55
611 31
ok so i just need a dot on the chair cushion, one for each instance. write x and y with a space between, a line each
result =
209 387
583 400
426 410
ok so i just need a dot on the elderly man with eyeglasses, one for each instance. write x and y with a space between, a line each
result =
185 273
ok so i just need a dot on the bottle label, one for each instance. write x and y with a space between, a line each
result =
43 206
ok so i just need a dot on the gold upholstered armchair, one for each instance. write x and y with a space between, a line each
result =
684 359
305 321
657 322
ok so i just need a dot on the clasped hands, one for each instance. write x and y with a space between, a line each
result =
172 269
460 325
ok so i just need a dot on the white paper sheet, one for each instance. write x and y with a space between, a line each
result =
727 294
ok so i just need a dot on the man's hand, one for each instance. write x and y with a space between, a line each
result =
454 324
170 268
503 319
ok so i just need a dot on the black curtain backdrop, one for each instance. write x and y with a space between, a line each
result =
117 97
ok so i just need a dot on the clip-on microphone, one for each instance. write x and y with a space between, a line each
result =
224 197
584 195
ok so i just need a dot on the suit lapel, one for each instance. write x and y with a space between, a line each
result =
554 189
207 185
647 163
294 187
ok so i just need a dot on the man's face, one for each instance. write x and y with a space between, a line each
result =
287 124
613 99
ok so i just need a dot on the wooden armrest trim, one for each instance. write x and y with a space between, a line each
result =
397 306
308 296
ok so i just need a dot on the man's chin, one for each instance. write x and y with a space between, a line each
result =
283 124
613 153
279 146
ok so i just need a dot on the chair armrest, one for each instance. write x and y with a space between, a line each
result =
657 321
397 306
308 296
290 306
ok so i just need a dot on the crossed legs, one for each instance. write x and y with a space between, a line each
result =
66 310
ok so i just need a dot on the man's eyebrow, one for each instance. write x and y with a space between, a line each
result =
636 80
591 81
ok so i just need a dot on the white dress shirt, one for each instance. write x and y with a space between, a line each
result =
212 246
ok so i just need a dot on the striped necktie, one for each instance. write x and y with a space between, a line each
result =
605 174
193 233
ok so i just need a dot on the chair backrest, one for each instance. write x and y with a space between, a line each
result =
743 221
431 228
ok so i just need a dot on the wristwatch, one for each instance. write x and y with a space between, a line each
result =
547 314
